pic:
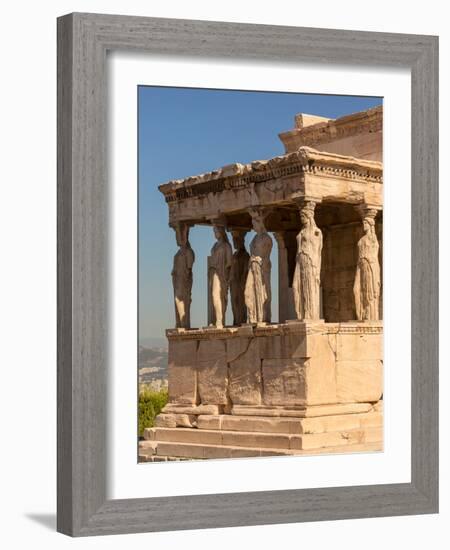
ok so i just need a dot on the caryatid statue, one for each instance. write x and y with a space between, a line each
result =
258 293
306 283
182 277
219 268
366 288
238 277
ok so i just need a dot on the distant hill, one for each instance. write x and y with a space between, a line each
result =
153 366
153 342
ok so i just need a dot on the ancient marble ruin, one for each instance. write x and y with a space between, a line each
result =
312 380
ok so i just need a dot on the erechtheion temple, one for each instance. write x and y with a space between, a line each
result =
312 382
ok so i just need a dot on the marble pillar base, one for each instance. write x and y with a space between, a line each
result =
289 364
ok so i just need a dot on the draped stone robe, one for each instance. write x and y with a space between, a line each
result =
238 278
306 283
367 284
258 293
218 280
182 285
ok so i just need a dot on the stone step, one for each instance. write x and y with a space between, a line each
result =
287 425
261 440
169 451
196 450
301 412
155 458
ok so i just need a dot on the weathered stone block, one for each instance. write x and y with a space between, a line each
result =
236 347
147 448
165 421
333 439
357 346
212 372
325 424
258 440
321 376
371 420
191 450
145 458
275 347
261 424
182 352
245 376
185 420
183 385
236 452
171 420
212 384
378 406
209 422
182 371
211 351
295 343
191 410
284 382
306 379
301 411
359 381
149 434
373 435
213 437
179 450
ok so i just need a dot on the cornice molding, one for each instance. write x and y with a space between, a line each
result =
304 161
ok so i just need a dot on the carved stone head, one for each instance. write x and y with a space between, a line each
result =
182 233
220 233
258 221
238 239
307 213
368 224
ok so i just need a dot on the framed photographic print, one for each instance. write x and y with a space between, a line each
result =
247 269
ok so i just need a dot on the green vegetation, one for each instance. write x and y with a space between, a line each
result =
151 403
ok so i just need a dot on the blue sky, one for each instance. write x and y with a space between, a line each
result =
183 132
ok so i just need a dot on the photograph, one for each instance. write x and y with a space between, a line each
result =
221 287
260 274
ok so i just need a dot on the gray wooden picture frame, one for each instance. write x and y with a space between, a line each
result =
83 41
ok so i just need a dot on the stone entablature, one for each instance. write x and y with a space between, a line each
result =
359 134
272 182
